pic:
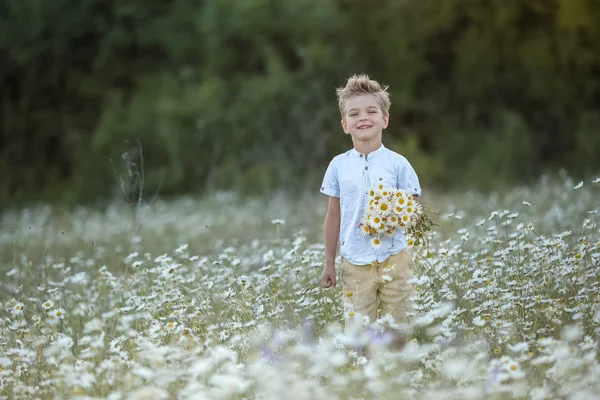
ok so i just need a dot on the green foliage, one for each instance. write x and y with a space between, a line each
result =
240 94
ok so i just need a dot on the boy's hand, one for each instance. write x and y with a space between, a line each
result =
328 277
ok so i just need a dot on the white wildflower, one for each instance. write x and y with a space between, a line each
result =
59 313
48 304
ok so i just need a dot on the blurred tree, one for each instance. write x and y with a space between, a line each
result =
473 68
240 94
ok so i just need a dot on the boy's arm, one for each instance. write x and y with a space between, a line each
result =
332 236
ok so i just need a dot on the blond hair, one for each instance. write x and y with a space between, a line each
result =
361 84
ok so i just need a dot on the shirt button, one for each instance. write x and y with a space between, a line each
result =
366 168
361 156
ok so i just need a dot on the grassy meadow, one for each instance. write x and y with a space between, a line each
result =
218 298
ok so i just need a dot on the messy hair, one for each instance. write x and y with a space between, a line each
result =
361 84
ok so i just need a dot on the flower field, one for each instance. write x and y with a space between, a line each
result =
218 298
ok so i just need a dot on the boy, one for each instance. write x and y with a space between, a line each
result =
364 106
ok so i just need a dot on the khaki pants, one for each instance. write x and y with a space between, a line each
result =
378 289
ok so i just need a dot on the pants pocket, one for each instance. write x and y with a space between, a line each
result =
404 265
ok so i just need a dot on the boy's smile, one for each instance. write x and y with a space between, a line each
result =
364 119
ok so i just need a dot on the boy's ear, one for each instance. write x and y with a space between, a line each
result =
344 126
386 121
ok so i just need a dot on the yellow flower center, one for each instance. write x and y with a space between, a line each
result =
383 207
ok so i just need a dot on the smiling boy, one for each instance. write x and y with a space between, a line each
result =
374 279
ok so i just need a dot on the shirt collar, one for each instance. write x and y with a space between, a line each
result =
373 154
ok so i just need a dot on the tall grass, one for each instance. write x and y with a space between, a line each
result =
218 298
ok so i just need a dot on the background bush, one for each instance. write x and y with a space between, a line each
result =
240 94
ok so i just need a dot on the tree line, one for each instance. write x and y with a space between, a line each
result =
104 98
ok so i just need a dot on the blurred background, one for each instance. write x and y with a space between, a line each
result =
110 99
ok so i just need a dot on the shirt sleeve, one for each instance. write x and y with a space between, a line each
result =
331 185
408 179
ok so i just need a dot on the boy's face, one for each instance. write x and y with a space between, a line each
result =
363 119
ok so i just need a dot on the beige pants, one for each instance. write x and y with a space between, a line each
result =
378 289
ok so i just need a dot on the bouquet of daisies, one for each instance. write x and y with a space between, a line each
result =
390 210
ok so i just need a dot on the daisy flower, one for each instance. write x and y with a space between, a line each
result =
384 206
375 242
405 219
17 309
387 192
402 201
58 313
364 228
380 229
418 208
171 326
48 304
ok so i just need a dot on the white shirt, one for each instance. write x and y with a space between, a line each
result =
349 177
